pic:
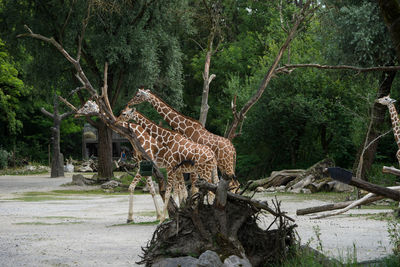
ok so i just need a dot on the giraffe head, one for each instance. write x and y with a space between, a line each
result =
142 95
89 108
386 100
126 114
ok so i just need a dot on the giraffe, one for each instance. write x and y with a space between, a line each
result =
154 149
180 149
223 148
389 102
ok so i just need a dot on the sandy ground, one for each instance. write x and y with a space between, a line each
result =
90 230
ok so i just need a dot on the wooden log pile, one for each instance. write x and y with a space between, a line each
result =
311 180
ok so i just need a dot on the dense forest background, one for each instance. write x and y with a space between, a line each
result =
300 119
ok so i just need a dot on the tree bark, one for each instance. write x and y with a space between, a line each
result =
57 159
390 10
374 128
105 166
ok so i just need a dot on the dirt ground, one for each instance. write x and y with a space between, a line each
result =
90 230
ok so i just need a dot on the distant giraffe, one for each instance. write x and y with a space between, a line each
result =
154 149
389 102
223 148
180 149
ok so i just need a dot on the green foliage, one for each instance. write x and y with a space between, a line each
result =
12 90
393 229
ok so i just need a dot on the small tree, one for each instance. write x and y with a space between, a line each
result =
57 159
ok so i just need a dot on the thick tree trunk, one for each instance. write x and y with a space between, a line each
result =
105 167
390 10
57 161
374 128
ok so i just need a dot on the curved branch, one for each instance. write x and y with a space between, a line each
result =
45 112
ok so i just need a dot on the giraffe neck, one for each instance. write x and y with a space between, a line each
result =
395 123
153 129
175 119
149 144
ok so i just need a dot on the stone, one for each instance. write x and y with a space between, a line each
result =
209 259
174 262
78 179
235 261
110 184
306 191
260 189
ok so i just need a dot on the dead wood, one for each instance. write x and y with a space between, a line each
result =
334 206
277 178
196 229
354 204
312 174
391 170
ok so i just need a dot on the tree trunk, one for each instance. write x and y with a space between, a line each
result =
374 128
206 88
390 10
105 166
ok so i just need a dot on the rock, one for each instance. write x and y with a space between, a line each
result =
340 187
260 189
110 184
306 191
78 179
235 261
281 188
209 259
174 262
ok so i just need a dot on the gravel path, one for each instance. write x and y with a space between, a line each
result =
90 230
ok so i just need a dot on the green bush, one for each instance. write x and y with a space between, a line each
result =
3 158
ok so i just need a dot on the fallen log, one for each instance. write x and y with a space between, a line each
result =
391 170
346 177
354 204
334 206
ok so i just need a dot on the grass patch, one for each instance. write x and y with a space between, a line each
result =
136 223
46 223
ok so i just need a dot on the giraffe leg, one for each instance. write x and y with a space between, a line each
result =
167 196
398 156
176 192
194 189
150 185
181 187
132 186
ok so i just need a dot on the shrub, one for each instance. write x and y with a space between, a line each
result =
4 155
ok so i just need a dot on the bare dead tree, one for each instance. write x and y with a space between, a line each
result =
57 161
304 14
215 17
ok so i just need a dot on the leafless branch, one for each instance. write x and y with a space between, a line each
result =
287 68
68 103
82 77
84 25
301 17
